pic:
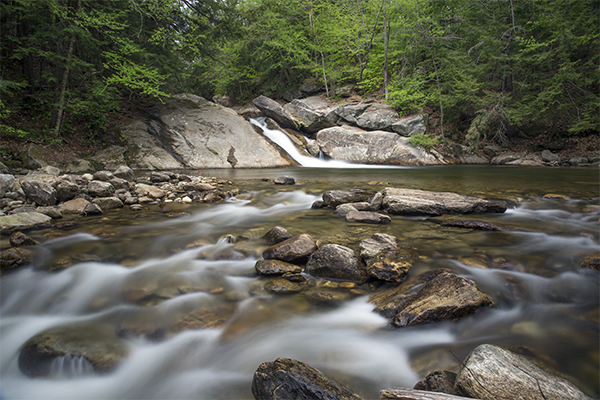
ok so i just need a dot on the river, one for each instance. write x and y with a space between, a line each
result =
547 307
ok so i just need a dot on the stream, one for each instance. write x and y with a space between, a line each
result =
137 275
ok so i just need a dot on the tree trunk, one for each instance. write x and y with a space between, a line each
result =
385 52
63 89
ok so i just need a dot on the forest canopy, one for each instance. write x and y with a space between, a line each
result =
498 65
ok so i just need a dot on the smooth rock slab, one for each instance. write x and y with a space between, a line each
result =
290 379
509 376
421 202
23 221
368 217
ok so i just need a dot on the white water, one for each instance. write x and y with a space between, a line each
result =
283 141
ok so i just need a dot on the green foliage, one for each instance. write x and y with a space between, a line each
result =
423 140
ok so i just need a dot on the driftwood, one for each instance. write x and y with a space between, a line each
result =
412 394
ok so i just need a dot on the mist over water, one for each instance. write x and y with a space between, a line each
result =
132 277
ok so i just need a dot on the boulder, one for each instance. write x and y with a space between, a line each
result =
384 259
23 221
290 379
19 239
41 193
110 158
295 250
506 158
276 267
276 235
66 191
273 109
491 372
124 172
108 203
575 161
411 125
550 157
91 209
351 113
337 262
368 217
75 206
377 116
100 189
311 114
376 147
103 176
492 150
334 198
343 209
284 180
159 177
148 190
145 149
15 257
421 202
119 183
6 182
51 211
96 344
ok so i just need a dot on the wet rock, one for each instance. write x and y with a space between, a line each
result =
368 217
384 259
284 180
75 206
290 379
276 235
15 257
343 209
295 250
439 381
276 267
491 372
467 224
19 239
421 202
591 261
411 125
124 172
337 262
318 204
326 296
52 212
98 344
41 193
283 286
273 109
100 189
550 157
6 182
23 221
334 198
103 176
108 203
205 317
91 209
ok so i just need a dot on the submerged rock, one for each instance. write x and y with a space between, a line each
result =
368 217
285 378
491 372
276 267
591 261
15 257
19 239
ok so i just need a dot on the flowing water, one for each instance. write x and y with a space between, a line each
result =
138 275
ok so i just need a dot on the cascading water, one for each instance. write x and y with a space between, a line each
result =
151 283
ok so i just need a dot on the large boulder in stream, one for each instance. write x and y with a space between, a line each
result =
421 202
191 132
285 378
385 260
312 113
295 250
273 109
491 372
337 262
355 145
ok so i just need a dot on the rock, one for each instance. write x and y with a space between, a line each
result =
550 157
446 297
51 211
575 161
24 221
290 379
19 239
337 262
103 176
6 182
41 193
591 261
99 345
15 257
420 202
91 209
439 381
276 235
472 159
350 113
75 206
344 91
343 209
284 180
273 109
295 250
66 191
376 147
79 166
377 116
311 114
158 177
207 317
108 203
100 189
283 286
492 150
3 168
318 204
508 375
276 267
110 158
384 259
148 190
411 125
367 217
124 172
467 224
119 183
248 111
334 198
35 157
326 296
413 394
506 158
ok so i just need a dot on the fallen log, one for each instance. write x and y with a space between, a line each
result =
412 394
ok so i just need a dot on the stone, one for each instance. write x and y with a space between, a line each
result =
326 296
343 209
284 180
350 113
368 217
337 262
103 176
276 235
283 286
124 172
419 202
334 198
158 177
414 394
276 267
550 157
491 372
66 191
467 224
6 181
91 209
355 145
492 150
377 116
311 114
591 261
506 158
41 193
119 183
3 168
100 189
98 344
439 381
108 203
575 161
411 125
291 379
75 206
295 250
273 109
110 158
385 260
15 257
19 239
148 190
51 211
24 221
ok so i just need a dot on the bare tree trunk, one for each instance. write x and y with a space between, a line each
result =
63 89
385 46
320 51
364 66
437 78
